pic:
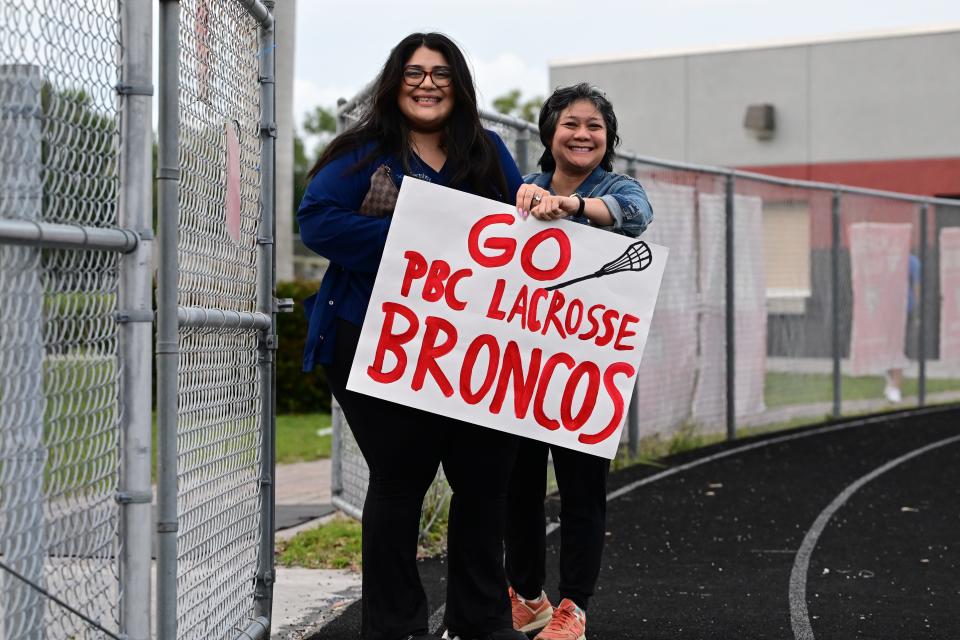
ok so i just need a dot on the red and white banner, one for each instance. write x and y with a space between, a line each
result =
526 327
879 263
950 292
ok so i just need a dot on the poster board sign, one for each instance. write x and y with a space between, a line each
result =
950 295
527 327
879 266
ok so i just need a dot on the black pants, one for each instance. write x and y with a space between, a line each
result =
582 481
403 448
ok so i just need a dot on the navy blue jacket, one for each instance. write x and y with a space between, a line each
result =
353 243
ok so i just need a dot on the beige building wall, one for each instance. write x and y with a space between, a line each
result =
889 96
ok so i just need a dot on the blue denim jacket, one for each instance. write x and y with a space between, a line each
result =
625 199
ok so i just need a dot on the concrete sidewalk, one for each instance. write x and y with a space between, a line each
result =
305 599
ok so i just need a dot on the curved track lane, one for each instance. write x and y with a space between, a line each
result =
706 549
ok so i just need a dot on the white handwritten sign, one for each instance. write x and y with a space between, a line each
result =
527 327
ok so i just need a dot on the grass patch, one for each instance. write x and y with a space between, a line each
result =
297 438
787 389
333 545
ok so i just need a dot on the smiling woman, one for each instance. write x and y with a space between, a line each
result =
578 129
423 123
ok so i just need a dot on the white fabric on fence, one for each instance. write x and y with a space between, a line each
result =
750 322
879 259
668 369
950 295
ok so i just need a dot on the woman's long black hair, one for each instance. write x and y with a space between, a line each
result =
562 98
470 151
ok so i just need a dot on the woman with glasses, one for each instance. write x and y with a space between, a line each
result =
578 129
422 123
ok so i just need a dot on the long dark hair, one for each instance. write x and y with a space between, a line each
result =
470 151
560 100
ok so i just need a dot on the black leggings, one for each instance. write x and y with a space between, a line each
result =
403 448
582 481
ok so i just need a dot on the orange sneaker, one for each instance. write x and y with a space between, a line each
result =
529 616
569 622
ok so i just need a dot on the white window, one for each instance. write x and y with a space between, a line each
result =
786 241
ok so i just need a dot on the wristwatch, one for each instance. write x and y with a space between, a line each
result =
580 208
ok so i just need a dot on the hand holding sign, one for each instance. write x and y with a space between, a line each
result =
461 322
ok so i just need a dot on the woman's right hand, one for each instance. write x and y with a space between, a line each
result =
529 196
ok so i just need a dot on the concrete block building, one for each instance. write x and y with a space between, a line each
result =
879 111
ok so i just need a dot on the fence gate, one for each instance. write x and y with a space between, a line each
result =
215 307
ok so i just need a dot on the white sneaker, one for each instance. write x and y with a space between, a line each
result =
892 394
446 636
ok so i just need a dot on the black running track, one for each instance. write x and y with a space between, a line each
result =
846 530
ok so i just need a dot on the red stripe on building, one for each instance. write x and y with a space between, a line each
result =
929 177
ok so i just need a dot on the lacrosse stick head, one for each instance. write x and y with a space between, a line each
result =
637 257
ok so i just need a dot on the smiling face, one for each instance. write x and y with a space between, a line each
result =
580 141
427 106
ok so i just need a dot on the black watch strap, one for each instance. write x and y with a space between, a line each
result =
580 198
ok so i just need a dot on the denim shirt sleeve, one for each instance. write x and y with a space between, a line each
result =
628 204
328 218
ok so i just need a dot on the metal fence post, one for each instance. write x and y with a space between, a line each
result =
633 418
168 346
835 303
135 313
523 151
341 124
267 304
921 306
731 325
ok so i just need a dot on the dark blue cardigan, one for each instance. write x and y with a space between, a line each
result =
331 226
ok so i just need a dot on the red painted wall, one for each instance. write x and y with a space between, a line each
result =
928 177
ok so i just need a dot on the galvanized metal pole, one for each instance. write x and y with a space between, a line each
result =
633 413
835 303
523 152
22 350
168 181
922 310
266 303
731 325
135 313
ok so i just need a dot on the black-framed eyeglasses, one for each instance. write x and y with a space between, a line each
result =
414 76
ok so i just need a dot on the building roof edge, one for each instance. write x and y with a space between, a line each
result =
879 34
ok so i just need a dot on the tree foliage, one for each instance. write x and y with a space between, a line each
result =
512 103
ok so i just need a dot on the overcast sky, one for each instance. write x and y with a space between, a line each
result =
341 45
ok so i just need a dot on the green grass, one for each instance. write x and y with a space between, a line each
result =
297 439
786 389
333 545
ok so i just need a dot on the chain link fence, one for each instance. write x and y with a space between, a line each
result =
76 320
215 320
768 316
60 351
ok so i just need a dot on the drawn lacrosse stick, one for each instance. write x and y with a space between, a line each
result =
637 257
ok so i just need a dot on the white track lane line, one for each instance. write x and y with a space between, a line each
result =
799 616
436 618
